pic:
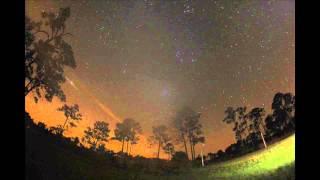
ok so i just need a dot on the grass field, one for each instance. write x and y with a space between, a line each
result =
267 162
275 162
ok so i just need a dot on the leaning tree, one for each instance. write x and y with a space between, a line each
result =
257 126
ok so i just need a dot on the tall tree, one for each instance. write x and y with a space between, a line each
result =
127 131
256 116
196 140
180 125
188 127
120 134
242 128
46 55
194 131
160 137
238 117
72 115
98 135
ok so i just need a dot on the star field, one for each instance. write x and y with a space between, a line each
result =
147 58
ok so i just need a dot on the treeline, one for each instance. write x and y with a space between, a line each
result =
186 131
254 129
53 156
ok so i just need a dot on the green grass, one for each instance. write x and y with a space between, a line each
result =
262 162
275 162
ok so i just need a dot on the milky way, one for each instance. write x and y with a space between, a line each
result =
146 59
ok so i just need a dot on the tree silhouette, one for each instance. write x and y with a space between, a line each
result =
160 137
242 130
230 115
283 116
239 118
97 135
71 113
194 132
120 134
180 156
188 127
133 142
180 125
257 126
168 149
46 55
127 131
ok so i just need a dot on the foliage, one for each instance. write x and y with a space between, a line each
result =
71 113
282 119
127 131
169 149
97 135
189 128
46 55
161 138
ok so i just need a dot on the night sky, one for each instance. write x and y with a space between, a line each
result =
145 59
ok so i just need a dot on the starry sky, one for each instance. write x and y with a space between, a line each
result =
145 59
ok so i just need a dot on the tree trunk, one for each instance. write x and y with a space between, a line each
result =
95 145
122 145
27 91
127 146
202 162
159 150
192 158
65 123
130 148
264 142
194 151
185 145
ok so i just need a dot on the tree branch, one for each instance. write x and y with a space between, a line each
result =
29 90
